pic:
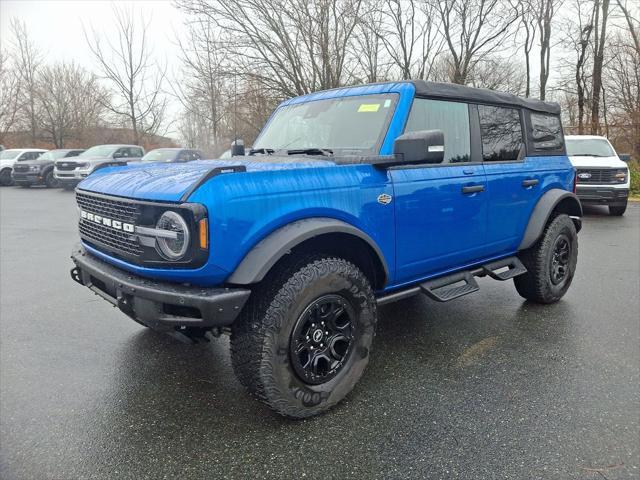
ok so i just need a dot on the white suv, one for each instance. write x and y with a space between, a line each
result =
13 155
601 177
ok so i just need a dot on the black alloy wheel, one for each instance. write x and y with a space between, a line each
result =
322 339
560 259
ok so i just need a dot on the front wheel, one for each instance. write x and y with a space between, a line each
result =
5 177
551 262
303 340
49 180
617 210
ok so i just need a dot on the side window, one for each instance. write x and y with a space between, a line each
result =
546 132
121 153
501 133
136 152
185 156
450 117
196 155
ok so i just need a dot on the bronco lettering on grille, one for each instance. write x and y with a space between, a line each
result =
108 222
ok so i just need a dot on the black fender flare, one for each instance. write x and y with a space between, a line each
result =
266 253
553 199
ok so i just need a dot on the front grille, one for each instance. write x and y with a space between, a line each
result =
21 168
123 210
600 176
66 166
118 241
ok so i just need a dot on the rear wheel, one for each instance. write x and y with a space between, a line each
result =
617 210
303 341
5 177
551 262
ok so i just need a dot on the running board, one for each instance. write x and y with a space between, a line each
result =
458 284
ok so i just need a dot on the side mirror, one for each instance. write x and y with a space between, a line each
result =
625 157
424 146
237 148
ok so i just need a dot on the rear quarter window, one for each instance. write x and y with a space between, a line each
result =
545 135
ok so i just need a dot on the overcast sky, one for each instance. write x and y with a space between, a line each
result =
56 26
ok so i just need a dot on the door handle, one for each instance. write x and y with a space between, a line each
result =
531 182
468 171
473 189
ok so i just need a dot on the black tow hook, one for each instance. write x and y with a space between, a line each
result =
75 275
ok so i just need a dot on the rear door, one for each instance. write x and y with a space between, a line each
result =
515 181
441 210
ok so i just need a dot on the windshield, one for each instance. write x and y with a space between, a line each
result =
589 147
9 154
99 151
347 125
159 155
52 155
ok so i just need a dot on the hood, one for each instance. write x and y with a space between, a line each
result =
597 162
90 160
169 181
7 162
38 162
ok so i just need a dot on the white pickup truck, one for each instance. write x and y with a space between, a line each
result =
601 177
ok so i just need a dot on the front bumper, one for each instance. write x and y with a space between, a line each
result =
27 178
602 194
160 305
70 178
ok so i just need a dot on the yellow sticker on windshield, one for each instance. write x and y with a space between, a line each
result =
369 107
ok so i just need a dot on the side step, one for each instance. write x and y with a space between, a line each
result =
455 285
450 287
513 265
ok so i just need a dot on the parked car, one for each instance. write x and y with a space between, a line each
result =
355 197
172 155
602 178
69 173
9 157
40 170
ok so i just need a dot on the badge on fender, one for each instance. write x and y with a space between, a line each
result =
384 199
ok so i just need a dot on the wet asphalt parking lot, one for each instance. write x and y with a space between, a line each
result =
487 386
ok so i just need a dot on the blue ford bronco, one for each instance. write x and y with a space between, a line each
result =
349 199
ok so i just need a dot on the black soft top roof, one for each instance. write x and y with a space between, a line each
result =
452 91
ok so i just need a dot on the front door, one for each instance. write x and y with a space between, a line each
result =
441 210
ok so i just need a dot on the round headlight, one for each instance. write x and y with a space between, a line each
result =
173 248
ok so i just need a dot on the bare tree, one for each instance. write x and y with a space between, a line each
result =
528 23
69 100
137 80
632 23
370 66
291 46
497 73
473 29
408 32
9 95
202 88
27 60
545 12
600 36
623 79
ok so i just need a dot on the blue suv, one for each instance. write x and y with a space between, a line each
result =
349 199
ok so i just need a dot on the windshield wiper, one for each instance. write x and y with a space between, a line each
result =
311 151
264 151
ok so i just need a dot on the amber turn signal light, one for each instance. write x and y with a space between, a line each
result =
203 230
